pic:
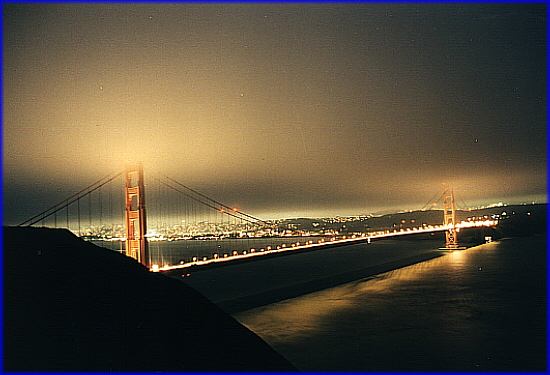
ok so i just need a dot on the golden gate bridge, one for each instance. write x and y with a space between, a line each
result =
175 212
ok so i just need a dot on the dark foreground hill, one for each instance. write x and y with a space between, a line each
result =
72 306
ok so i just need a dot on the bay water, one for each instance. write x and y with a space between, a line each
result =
480 309
175 252
392 305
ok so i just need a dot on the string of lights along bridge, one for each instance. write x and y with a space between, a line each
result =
165 225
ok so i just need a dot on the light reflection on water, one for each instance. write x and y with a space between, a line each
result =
475 310
300 317
269 280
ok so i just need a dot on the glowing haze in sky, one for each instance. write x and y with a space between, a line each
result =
281 109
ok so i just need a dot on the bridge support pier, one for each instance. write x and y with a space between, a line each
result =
137 246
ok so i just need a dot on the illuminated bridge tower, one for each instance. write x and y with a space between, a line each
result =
136 225
449 218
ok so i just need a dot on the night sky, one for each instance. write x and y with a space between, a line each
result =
281 109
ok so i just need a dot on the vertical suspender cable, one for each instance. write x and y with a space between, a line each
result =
90 209
100 210
163 220
78 212
113 245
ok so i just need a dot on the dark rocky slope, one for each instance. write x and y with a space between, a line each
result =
72 306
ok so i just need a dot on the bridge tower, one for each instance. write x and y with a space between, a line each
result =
449 218
135 216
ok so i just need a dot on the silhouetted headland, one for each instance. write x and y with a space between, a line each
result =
72 306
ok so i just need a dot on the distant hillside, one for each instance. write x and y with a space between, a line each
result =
72 306
515 220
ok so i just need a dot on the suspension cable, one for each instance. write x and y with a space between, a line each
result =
465 207
210 199
230 213
430 201
73 198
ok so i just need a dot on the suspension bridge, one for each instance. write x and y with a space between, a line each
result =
181 227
